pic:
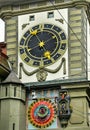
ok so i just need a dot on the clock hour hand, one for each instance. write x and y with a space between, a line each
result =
34 32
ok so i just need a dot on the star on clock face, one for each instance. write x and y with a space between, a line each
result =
42 45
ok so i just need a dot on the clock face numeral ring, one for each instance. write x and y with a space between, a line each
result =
42 45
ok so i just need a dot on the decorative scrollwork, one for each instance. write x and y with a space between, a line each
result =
41 75
41 72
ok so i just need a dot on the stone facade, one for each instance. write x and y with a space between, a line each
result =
17 100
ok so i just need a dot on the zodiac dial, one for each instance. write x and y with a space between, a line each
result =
41 113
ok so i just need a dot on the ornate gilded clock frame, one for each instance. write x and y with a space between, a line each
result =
41 46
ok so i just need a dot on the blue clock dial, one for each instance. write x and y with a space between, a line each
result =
42 44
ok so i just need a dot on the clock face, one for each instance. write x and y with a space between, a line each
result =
41 113
42 45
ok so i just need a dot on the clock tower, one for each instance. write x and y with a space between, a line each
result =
42 46
48 42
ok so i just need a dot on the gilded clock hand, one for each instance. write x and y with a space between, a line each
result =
50 39
34 32
29 49
41 45
38 38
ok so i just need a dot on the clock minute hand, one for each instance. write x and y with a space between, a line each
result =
50 39
41 45
38 38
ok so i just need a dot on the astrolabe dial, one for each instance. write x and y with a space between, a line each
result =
43 45
42 113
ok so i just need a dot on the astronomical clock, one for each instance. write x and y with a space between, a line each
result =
43 46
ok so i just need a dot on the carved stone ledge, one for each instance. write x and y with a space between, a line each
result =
8 11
